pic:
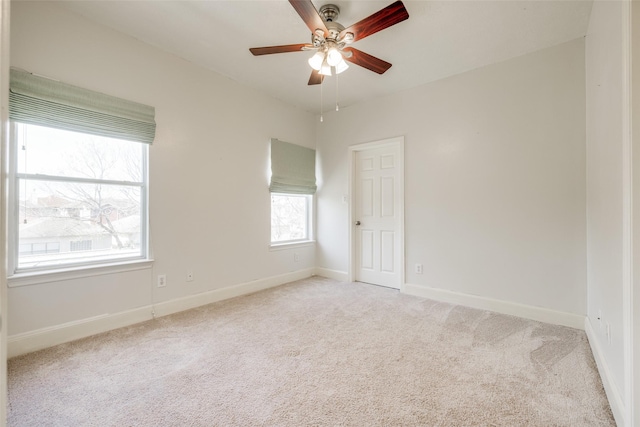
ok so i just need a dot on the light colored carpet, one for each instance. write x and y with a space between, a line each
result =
316 353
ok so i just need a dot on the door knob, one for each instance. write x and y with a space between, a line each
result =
357 222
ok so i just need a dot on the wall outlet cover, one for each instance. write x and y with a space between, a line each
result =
162 280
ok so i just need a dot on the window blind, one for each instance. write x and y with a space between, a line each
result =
40 101
293 168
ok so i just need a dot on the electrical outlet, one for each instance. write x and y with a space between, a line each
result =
162 280
418 268
189 276
296 257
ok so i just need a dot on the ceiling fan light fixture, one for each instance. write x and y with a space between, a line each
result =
333 56
316 61
341 66
325 70
330 38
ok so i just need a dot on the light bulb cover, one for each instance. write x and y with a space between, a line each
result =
333 57
341 66
316 61
325 70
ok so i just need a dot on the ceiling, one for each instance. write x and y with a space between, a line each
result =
440 39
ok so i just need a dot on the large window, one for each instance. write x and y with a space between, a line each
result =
76 198
78 175
290 218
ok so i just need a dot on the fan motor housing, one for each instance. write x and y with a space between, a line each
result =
330 12
334 30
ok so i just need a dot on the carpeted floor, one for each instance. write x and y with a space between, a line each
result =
316 353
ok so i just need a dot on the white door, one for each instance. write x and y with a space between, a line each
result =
378 214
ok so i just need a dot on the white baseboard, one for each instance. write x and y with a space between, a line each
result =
197 300
340 276
48 337
613 394
505 307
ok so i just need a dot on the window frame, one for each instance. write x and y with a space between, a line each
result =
13 191
310 216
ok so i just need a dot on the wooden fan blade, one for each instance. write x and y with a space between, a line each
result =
268 50
316 78
367 61
309 15
380 20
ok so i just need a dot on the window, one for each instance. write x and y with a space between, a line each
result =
292 185
81 245
77 176
84 192
39 248
290 217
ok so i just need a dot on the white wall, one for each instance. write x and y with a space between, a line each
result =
494 179
604 86
209 199
495 175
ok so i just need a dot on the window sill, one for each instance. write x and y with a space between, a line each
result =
58 275
291 245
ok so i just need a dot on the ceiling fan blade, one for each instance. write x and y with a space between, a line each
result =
268 50
367 61
384 18
316 78
309 15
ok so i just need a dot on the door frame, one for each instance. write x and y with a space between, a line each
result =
4 132
396 142
631 212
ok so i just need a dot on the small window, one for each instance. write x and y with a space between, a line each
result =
81 245
292 185
39 248
290 218
76 198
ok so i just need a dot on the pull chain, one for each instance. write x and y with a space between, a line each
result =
321 81
337 107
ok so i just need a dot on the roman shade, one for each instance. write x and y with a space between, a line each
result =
293 168
40 101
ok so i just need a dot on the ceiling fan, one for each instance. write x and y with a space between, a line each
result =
331 40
